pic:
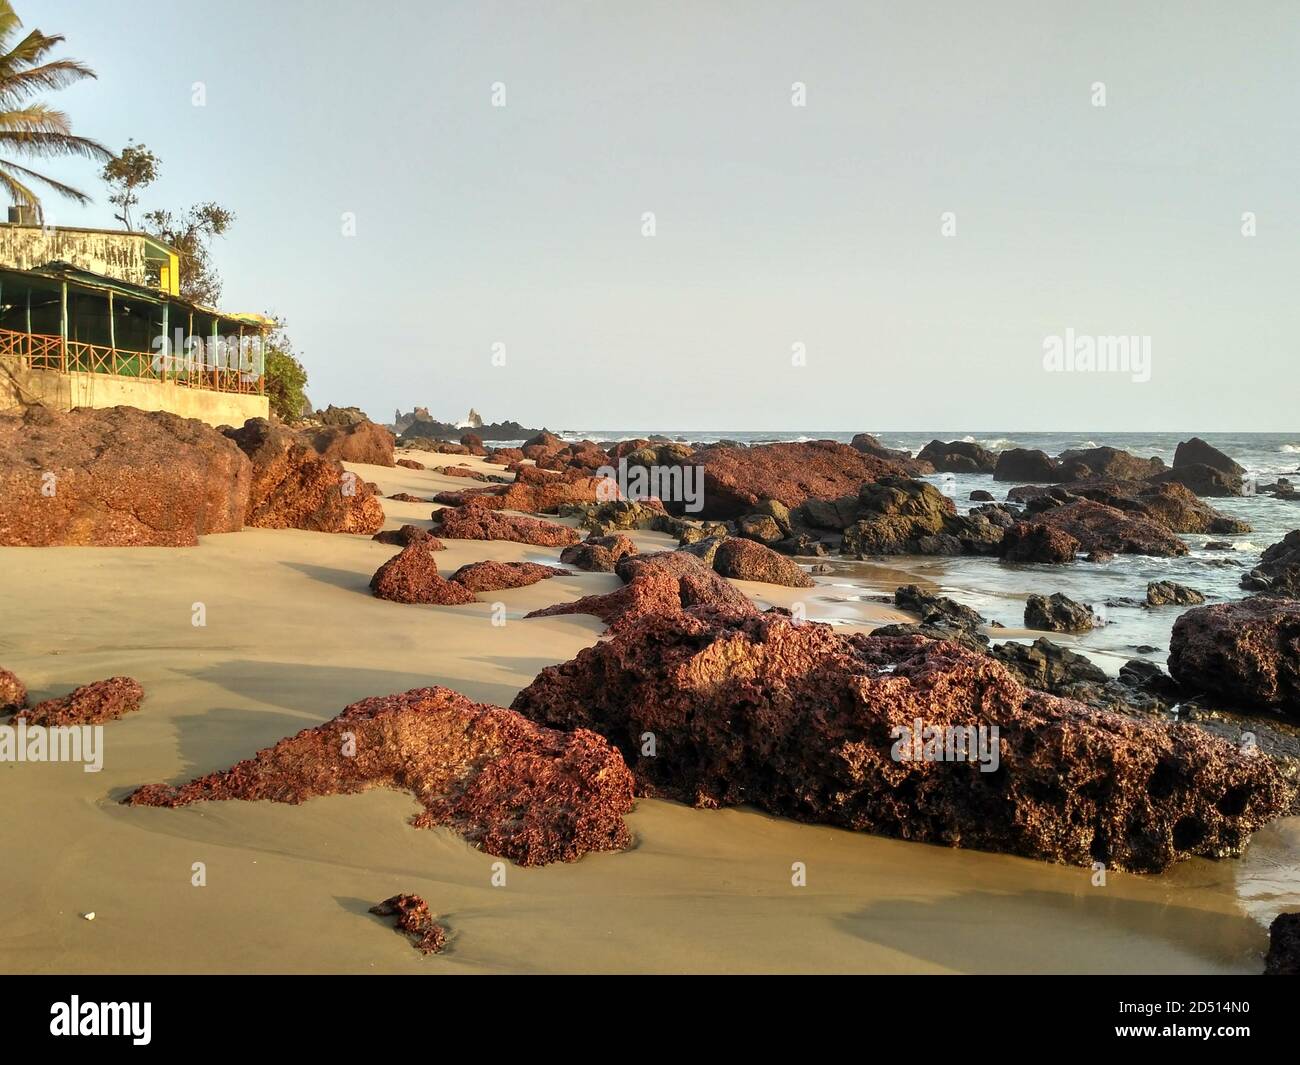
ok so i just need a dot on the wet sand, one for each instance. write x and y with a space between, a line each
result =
293 636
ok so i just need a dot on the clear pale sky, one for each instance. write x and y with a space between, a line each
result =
775 224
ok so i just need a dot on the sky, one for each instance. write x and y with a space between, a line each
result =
895 254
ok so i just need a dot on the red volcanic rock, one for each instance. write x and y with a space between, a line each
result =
1246 653
508 786
475 522
746 560
471 440
13 693
503 456
737 478
584 455
406 497
1098 527
118 477
534 491
360 442
625 447
1106 462
415 920
411 576
1034 541
494 576
657 583
462 471
1172 505
804 723
295 488
91 704
409 534
599 554
411 464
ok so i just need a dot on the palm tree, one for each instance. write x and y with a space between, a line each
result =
31 129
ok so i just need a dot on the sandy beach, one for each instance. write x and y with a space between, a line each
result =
292 636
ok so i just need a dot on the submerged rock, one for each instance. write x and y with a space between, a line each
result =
91 704
473 522
804 723
1098 527
1246 653
1278 572
508 786
117 477
414 920
1057 613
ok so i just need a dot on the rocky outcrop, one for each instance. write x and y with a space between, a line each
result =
1278 572
413 919
1173 505
1048 666
492 576
409 534
1022 464
1246 653
1203 480
13 693
411 576
899 516
1098 527
1106 462
958 456
735 479
510 787
91 704
411 464
295 488
599 554
1283 958
1170 593
1196 452
117 477
1057 613
663 582
745 560
869 445
474 522
1036 541
804 723
358 442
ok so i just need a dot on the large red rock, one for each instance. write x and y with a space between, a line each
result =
801 722
1098 527
735 479
91 704
1169 503
745 560
475 522
360 442
1031 541
492 576
1246 653
117 477
657 583
411 576
295 488
507 785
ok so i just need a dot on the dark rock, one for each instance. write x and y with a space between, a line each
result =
745 560
1246 653
979 495
869 445
958 456
91 704
1106 462
1032 541
894 514
1203 480
508 786
1098 527
415 921
1168 593
409 534
13 693
1057 613
1196 452
1022 464
801 722
1278 571
598 554
1048 666
761 528
1170 504
1283 958
1099 556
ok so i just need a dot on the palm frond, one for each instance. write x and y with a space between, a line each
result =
18 192
49 76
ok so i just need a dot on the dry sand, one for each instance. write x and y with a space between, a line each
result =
293 636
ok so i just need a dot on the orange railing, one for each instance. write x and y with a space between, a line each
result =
38 351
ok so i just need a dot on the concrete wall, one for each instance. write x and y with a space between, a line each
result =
118 255
20 387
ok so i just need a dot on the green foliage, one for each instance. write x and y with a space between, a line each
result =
286 377
134 169
189 233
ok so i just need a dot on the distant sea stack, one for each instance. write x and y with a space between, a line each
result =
419 424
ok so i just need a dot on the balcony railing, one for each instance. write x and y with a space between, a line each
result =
38 351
